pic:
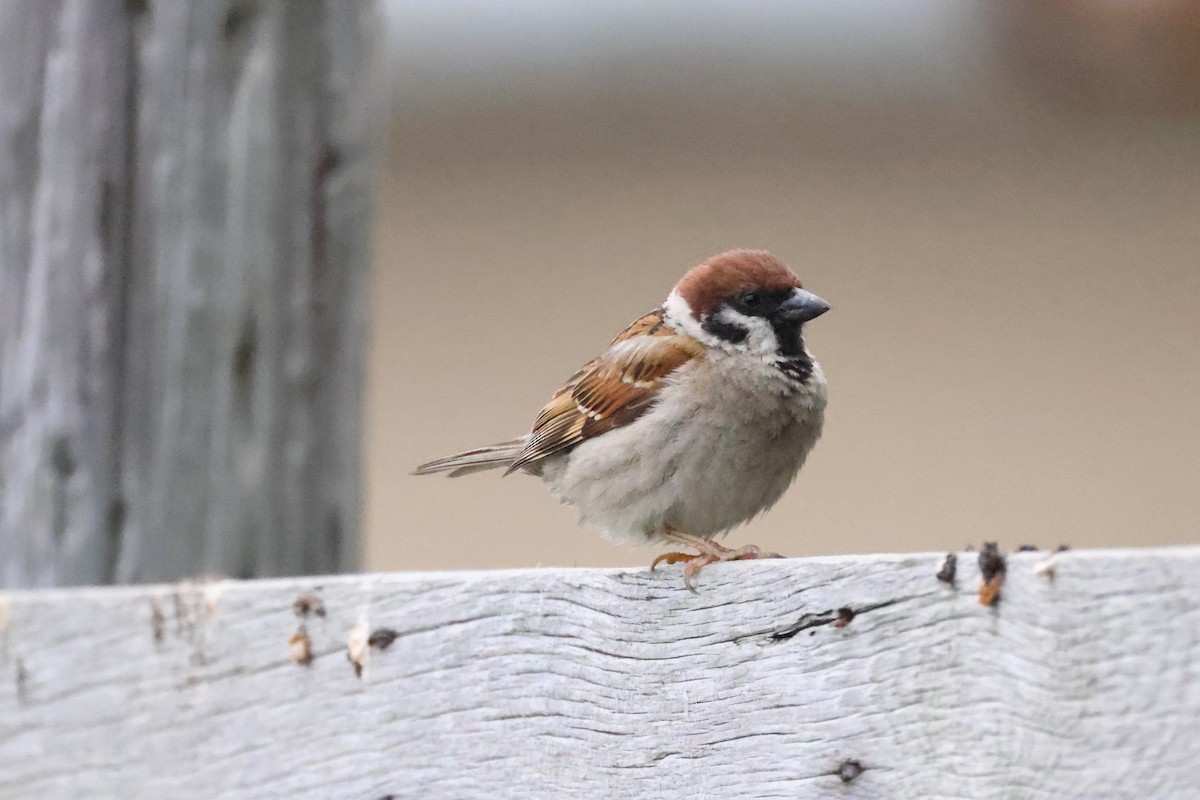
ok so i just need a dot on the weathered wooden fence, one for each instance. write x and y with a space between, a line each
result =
184 219
866 677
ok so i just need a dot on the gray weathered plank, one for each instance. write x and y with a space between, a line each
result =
64 189
184 212
618 683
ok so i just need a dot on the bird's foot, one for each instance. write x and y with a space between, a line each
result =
710 553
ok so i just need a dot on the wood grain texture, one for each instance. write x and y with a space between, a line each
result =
183 258
64 191
618 684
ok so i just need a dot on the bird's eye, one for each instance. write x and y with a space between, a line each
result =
751 299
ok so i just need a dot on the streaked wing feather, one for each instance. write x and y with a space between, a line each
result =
612 390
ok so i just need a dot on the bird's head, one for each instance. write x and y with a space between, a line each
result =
744 300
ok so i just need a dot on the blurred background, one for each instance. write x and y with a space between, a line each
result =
1001 202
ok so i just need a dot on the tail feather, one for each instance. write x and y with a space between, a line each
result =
502 454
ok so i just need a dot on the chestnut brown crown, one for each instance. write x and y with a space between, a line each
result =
707 285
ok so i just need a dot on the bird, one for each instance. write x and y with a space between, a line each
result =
696 419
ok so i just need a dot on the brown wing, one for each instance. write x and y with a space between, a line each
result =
612 390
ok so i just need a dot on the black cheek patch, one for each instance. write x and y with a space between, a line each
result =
727 331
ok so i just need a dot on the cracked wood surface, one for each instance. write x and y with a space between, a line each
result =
616 683
184 212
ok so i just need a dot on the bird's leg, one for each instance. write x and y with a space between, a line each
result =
709 553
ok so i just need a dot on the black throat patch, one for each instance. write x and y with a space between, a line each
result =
788 337
796 363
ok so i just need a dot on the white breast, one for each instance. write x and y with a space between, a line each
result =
724 441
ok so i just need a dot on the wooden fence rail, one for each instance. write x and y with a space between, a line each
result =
858 676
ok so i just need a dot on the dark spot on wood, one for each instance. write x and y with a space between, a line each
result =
382 638
61 459
949 569
1028 548
106 214
809 621
236 17
116 516
1062 548
992 567
805 622
991 562
245 352
115 525
22 681
157 620
328 160
849 769
62 465
307 604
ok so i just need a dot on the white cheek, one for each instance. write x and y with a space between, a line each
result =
679 316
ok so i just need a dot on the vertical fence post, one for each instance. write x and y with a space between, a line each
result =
184 220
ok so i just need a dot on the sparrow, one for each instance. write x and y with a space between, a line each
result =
696 418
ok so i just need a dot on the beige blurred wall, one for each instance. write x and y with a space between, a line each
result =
1013 354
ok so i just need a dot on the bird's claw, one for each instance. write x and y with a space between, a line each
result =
711 553
670 558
